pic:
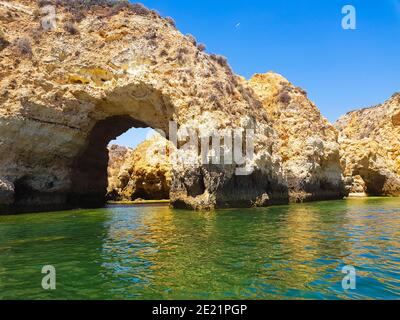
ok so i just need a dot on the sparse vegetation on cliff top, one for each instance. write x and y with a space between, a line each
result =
79 8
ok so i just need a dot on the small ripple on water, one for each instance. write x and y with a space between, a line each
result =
287 252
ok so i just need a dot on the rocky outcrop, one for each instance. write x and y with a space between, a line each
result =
118 155
370 149
307 144
142 173
306 141
66 91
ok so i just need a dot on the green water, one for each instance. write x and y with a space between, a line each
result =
285 252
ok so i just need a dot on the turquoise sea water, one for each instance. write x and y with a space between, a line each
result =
283 252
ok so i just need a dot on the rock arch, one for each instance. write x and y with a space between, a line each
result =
368 181
374 182
61 104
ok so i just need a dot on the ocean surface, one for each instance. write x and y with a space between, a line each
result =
282 252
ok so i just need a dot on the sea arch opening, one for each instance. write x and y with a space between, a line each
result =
89 179
370 182
139 168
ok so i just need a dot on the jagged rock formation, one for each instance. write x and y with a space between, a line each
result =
118 156
142 173
307 142
100 70
370 149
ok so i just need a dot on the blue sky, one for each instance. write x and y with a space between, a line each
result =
304 41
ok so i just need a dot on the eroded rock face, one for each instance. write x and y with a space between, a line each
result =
142 173
66 92
117 155
370 149
306 141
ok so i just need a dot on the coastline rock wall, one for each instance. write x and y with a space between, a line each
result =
66 92
370 148
307 143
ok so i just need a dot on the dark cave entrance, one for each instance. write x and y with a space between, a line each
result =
374 182
89 171
90 183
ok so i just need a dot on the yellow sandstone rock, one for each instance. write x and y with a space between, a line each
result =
306 141
370 148
67 91
145 172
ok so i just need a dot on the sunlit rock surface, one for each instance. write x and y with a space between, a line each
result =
370 148
66 92
142 173
117 155
306 141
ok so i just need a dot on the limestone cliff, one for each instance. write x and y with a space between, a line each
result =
67 90
144 172
307 143
370 148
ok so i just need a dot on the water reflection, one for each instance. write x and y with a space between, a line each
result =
157 253
280 252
